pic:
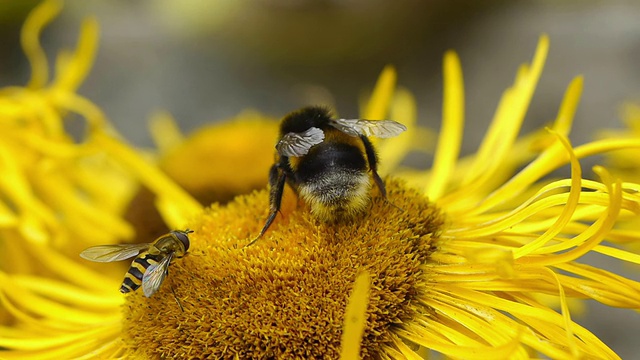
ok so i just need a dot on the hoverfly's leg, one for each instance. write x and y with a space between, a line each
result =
176 297
372 158
276 190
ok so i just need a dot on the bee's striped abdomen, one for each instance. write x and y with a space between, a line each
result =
133 277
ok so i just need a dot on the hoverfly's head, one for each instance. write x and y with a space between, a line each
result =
183 236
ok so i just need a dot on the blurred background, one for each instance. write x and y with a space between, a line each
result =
206 61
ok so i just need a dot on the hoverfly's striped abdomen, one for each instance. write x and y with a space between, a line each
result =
133 277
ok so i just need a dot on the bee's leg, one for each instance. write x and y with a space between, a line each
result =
276 190
372 158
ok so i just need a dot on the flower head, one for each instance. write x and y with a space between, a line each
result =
460 259
296 280
225 175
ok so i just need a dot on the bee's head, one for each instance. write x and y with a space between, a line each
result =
305 118
183 236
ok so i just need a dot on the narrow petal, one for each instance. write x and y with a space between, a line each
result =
450 137
164 131
509 116
378 104
393 150
185 205
567 211
42 15
72 70
355 318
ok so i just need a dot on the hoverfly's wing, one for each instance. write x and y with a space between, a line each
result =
298 144
109 253
378 128
154 276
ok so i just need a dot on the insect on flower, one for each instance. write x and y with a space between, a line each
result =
151 265
326 162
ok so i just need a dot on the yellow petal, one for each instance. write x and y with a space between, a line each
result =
452 126
30 40
378 104
73 69
355 318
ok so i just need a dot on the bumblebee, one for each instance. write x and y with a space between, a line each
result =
151 265
326 162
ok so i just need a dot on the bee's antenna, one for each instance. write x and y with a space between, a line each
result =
383 190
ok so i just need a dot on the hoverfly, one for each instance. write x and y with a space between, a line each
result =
151 265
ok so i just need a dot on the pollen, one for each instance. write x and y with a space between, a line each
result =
286 295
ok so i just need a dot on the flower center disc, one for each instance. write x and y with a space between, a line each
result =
285 296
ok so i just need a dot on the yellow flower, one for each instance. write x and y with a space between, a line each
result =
49 195
218 146
226 174
456 260
625 163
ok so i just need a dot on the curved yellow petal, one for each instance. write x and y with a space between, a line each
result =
378 104
73 69
30 40
450 138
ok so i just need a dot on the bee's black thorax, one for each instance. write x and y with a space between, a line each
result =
329 157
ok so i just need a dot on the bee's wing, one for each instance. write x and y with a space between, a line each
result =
109 253
298 144
377 128
154 276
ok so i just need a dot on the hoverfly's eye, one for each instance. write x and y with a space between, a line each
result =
182 236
